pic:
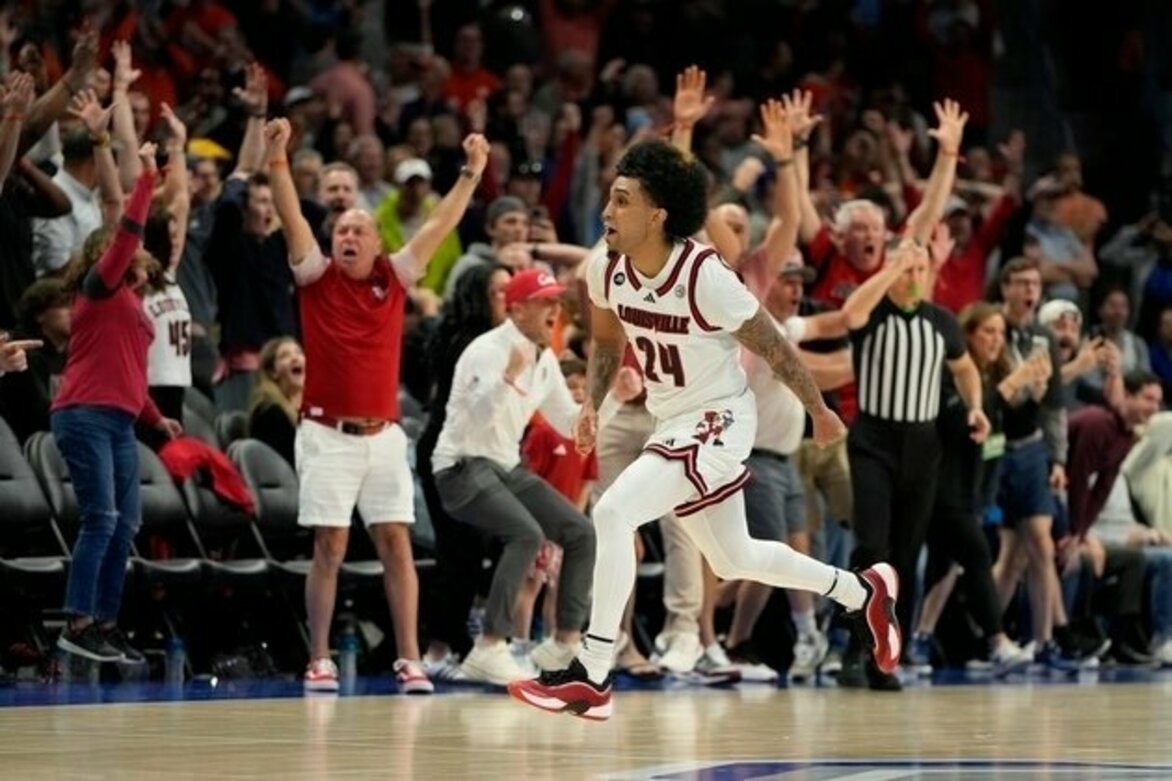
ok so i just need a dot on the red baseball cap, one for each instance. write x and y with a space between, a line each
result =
532 284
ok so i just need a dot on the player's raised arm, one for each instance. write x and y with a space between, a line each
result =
298 234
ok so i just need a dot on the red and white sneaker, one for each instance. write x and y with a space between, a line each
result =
882 585
321 676
567 691
410 676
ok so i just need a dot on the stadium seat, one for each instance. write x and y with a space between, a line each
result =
201 404
230 427
273 485
30 544
53 476
164 518
221 533
195 425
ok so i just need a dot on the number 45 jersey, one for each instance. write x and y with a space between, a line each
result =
169 356
679 325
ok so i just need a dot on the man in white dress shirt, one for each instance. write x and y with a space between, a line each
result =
501 379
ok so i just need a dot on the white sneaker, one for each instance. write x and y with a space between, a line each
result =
552 655
713 668
321 676
411 677
809 650
1010 657
520 650
752 669
445 669
1163 653
493 664
680 652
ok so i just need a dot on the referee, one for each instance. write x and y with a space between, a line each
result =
894 445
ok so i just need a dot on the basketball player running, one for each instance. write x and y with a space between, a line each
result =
687 315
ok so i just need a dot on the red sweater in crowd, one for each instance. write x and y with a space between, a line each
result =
110 336
1099 442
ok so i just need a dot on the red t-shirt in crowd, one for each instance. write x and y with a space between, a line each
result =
352 330
554 458
108 343
961 280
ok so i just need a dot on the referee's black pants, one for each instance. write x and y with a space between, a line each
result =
893 476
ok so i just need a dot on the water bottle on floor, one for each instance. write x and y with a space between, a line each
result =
175 666
348 657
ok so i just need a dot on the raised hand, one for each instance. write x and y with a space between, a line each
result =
778 140
85 52
801 122
476 151
176 127
950 129
19 91
146 153
85 106
276 134
690 104
254 95
125 73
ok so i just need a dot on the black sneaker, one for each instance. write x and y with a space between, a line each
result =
852 675
117 640
90 643
880 681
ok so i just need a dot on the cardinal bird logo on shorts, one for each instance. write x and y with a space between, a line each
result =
712 426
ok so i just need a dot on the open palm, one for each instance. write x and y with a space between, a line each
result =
690 104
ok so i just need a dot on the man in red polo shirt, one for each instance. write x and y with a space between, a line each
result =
350 451
850 253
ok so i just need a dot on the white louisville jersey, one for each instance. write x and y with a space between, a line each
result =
169 357
679 324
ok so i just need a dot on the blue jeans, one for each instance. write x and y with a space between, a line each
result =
99 448
1159 573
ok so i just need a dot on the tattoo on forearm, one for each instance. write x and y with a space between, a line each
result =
760 335
605 361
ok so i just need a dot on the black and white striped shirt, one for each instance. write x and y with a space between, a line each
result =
898 359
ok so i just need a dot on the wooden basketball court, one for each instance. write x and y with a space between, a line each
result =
1028 730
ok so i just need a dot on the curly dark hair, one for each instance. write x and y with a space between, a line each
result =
674 181
466 315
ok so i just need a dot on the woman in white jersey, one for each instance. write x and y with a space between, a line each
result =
169 356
